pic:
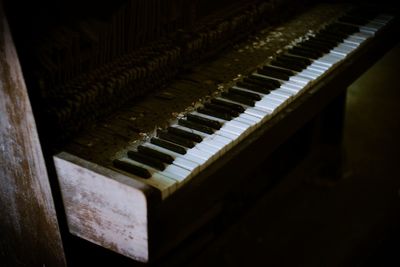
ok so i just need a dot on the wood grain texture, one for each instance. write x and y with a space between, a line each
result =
104 207
29 232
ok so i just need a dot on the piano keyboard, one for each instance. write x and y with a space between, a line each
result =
178 153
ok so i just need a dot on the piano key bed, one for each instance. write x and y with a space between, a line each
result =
111 204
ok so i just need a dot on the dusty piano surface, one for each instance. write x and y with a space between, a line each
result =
130 215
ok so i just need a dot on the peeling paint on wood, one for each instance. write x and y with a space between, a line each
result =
29 233
104 207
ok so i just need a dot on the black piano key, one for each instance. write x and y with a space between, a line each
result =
255 86
338 30
156 154
263 81
327 39
216 114
168 145
248 95
274 73
305 52
238 98
213 124
287 64
175 139
143 158
322 43
133 169
185 134
354 20
196 126
332 34
221 108
327 34
314 47
232 106
304 61
359 21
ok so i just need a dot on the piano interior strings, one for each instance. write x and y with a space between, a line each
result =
141 101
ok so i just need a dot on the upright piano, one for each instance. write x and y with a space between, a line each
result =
153 114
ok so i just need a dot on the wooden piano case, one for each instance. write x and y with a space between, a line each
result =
128 217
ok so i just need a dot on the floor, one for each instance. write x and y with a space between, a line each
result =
353 222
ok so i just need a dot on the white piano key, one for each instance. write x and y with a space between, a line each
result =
236 124
369 28
273 99
282 92
380 20
228 135
349 46
178 173
205 155
250 117
251 124
334 57
328 60
361 35
352 40
272 104
206 149
232 129
343 50
198 160
278 97
312 75
256 112
339 52
317 67
298 79
187 164
219 139
265 106
294 84
244 121
291 87
383 18
214 143
374 25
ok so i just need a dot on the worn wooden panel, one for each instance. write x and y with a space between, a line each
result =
29 233
104 207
